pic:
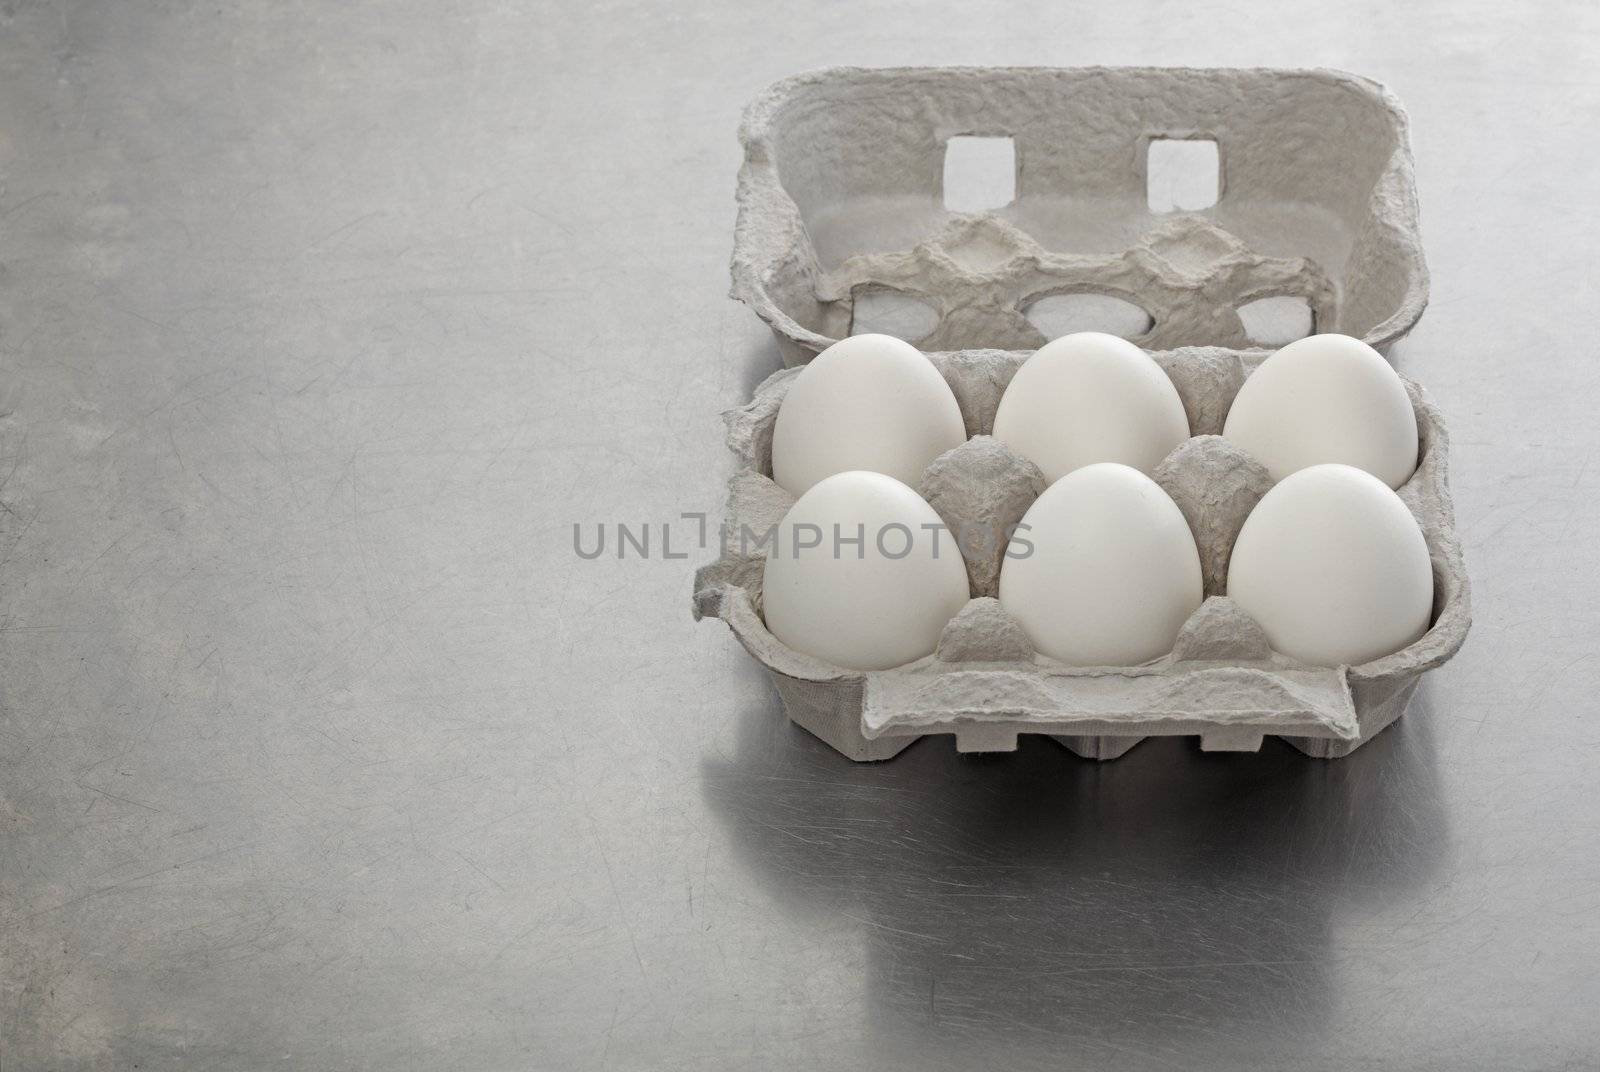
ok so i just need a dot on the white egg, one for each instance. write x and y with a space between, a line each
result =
1103 570
1333 567
869 402
1088 398
863 574
1326 398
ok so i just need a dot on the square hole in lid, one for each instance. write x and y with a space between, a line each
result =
979 173
1182 174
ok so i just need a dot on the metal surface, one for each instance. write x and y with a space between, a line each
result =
320 325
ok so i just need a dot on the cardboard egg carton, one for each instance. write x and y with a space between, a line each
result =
840 195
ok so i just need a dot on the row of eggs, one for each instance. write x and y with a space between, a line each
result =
1330 563
875 402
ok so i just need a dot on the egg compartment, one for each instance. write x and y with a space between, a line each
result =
985 683
843 196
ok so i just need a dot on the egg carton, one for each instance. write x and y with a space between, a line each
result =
840 195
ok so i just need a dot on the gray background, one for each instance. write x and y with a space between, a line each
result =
321 324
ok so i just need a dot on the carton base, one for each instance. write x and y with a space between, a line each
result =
1101 747
1379 713
837 724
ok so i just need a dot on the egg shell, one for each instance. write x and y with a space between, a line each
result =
868 607
870 402
1091 397
1321 399
1333 567
1112 573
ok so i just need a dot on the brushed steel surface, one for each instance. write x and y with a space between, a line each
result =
320 748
